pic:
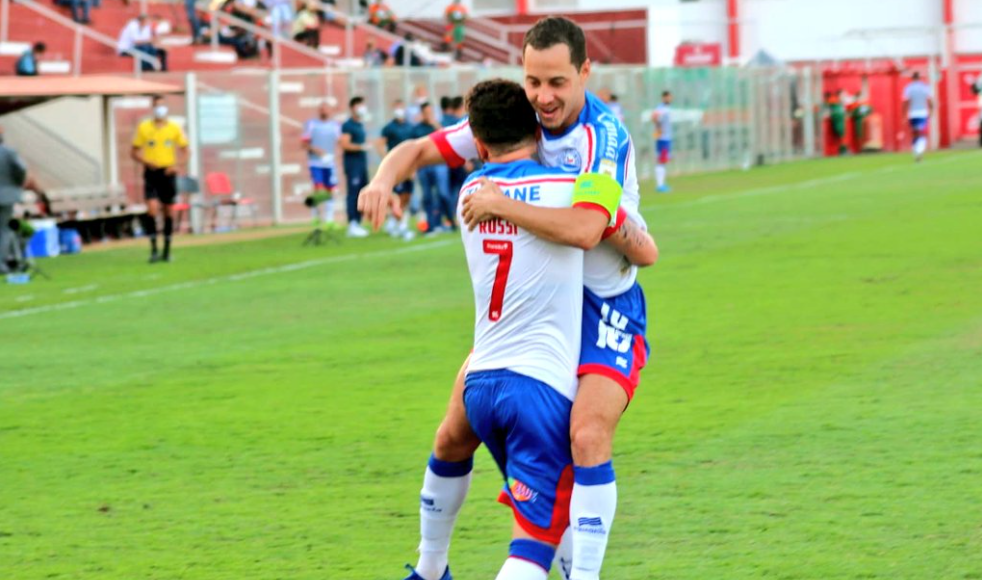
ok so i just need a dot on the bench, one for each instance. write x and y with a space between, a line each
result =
98 212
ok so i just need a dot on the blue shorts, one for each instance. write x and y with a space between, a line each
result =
664 149
524 423
404 188
323 177
613 342
918 123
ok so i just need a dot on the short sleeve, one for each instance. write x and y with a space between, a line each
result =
139 136
307 128
611 148
456 143
182 139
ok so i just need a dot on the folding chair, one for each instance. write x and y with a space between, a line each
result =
220 193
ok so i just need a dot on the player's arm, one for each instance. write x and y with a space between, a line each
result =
630 239
595 201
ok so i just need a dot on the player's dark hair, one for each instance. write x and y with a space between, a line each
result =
457 102
501 115
916 75
666 93
554 30
355 101
445 102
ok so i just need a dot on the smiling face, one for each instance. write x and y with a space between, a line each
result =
554 86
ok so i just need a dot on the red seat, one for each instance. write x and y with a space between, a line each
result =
220 192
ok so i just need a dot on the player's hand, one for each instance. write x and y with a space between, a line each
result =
482 205
374 201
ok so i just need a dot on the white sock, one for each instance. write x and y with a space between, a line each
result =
920 145
404 221
563 561
518 569
591 514
660 175
440 501
329 211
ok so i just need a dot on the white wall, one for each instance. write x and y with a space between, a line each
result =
969 14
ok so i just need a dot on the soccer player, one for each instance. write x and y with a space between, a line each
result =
320 139
918 107
521 379
662 118
579 135
161 147
395 132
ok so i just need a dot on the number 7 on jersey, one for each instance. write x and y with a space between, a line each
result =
503 249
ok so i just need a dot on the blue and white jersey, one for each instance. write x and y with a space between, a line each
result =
324 135
663 122
597 143
528 292
917 95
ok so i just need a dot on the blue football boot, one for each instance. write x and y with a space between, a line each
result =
414 576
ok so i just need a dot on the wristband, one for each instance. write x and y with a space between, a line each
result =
618 222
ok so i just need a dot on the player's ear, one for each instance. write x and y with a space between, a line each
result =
585 70
482 151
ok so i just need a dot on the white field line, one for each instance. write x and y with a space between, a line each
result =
422 247
221 279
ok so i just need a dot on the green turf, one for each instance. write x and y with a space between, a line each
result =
813 408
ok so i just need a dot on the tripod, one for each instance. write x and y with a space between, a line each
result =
323 233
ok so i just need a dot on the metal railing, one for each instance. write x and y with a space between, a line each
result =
277 42
80 30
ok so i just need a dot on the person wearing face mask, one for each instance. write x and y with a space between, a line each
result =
395 132
353 143
159 145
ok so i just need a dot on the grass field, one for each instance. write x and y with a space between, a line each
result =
812 410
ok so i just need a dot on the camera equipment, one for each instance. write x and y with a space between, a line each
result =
320 233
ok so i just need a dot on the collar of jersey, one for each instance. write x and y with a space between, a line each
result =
579 121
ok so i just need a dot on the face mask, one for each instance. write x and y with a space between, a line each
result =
362 112
160 111
399 114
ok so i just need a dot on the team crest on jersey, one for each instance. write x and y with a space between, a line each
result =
522 492
571 160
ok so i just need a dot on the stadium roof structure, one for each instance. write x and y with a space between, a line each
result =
22 92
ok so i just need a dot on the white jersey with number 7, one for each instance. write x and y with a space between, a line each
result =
528 292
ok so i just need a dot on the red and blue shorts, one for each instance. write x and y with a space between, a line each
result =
664 149
524 423
323 177
613 342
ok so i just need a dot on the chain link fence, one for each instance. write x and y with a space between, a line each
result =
248 124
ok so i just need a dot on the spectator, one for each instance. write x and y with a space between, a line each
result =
138 37
159 145
615 107
456 15
193 21
394 133
307 26
380 15
434 180
13 179
353 143
281 17
446 111
374 56
458 107
400 50
80 11
27 64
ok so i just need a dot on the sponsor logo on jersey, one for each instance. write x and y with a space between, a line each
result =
522 492
608 144
570 160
